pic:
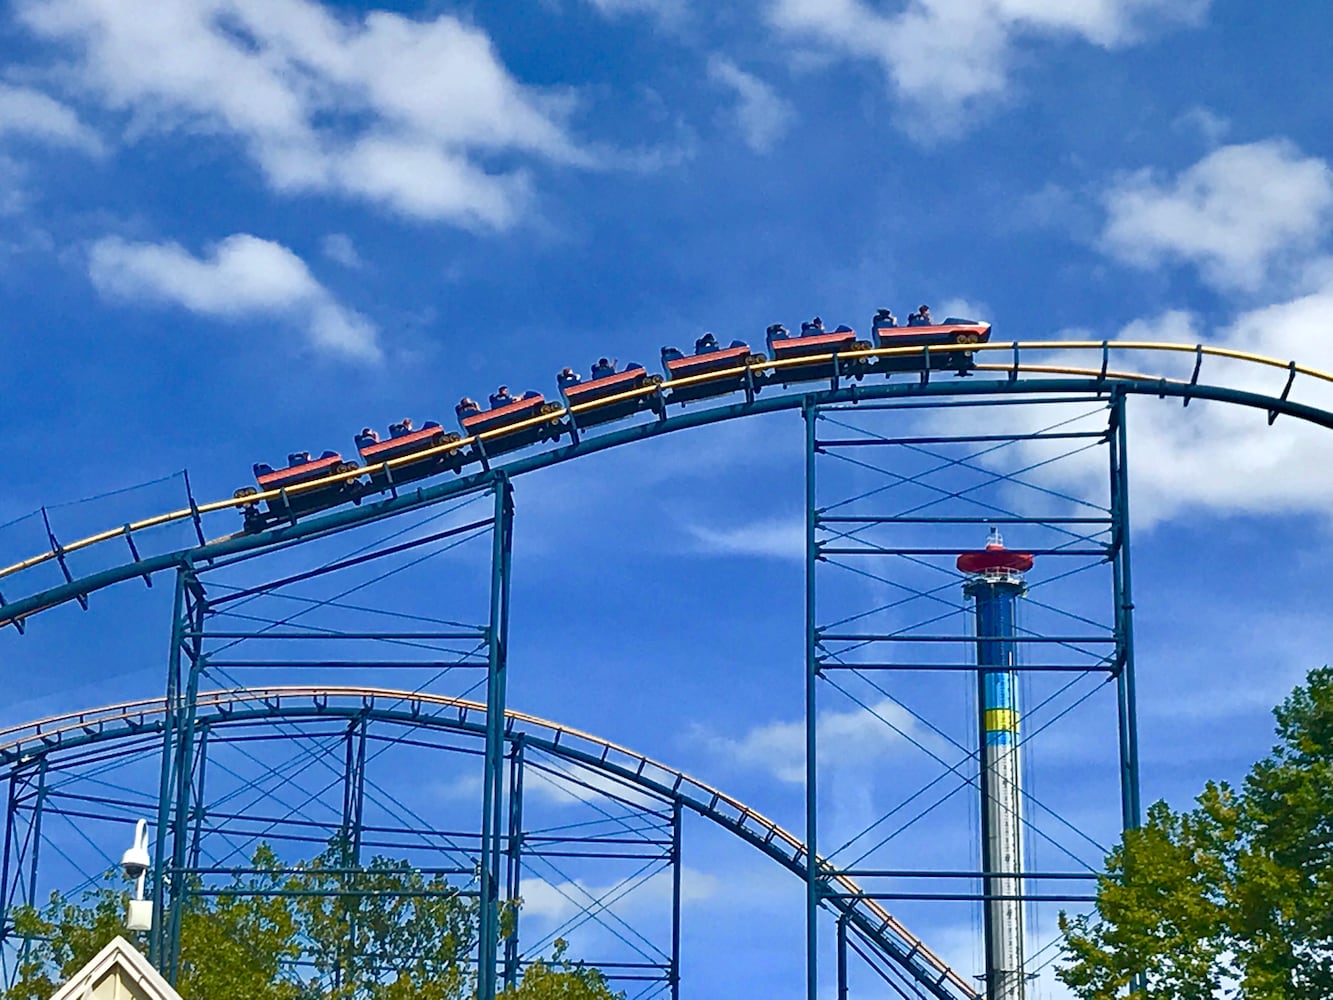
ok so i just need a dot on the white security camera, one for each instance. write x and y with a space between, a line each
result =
135 861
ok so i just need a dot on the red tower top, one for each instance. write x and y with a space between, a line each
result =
995 558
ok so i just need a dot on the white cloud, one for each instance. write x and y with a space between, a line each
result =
1239 214
1207 124
662 8
854 735
767 539
409 114
947 57
242 277
761 115
338 247
1210 457
13 195
31 113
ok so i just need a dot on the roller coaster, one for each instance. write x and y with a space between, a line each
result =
828 386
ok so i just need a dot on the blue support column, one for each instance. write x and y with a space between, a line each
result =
354 797
188 629
6 898
514 877
1131 807
842 957
493 779
674 972
811 415
179 625
197 811
16 890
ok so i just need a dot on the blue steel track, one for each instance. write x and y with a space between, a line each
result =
78 588
26 744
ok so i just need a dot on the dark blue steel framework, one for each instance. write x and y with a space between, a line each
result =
207 641
829 886
57 772
870 527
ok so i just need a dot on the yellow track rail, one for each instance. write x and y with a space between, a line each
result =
1104 347
45 733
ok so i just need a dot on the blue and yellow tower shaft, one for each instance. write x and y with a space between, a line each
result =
995 594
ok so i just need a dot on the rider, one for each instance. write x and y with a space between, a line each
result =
921 317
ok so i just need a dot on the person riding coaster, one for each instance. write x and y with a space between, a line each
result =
503 397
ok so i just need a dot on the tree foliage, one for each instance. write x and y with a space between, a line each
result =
1233 898
328 929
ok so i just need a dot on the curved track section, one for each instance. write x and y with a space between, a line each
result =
23 744
1038 379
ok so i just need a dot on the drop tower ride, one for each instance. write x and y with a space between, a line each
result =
994 584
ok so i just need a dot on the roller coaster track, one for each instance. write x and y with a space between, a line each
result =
22 745
1049 378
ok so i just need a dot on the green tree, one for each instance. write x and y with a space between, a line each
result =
1233 897
61 938
326 929
561 979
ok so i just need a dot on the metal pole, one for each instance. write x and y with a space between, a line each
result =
197 813
675 899
1131 808
179 625
35 835
493 781
811 415
36 829
514 876
6 897
349 835
354 792
196 611
842 957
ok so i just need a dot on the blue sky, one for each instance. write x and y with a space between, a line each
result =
229 229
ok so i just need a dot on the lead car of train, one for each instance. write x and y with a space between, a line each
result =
517 421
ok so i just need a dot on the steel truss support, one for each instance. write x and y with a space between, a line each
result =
492 807
812 556
1127 706
514 857
28 788
673 972
349 836
932 497
197 644
185 663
